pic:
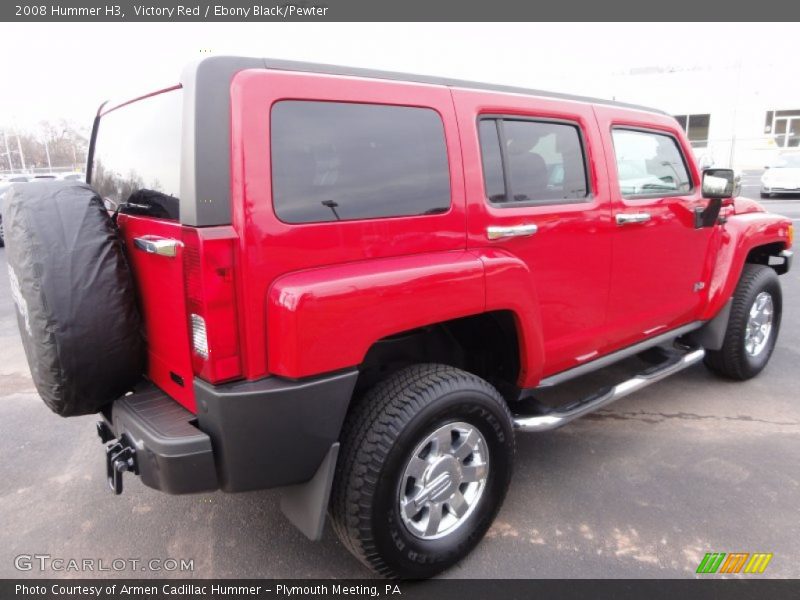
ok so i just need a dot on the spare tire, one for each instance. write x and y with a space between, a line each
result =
75 297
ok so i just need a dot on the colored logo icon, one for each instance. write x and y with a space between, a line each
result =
734 562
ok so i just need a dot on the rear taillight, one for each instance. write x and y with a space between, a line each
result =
209 264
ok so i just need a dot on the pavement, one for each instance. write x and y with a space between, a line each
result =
643 488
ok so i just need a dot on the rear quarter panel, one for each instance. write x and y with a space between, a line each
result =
285 267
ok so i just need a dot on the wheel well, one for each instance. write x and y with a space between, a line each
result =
764 255
486 345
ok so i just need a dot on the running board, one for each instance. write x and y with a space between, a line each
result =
558 417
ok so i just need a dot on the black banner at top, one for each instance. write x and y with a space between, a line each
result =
398 10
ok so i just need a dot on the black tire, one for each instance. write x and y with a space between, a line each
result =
765 195
732 360
74 295
380 435
2 232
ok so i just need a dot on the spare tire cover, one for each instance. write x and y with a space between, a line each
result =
74 294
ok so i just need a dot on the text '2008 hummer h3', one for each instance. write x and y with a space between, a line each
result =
353 284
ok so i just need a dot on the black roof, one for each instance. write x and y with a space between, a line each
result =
290 65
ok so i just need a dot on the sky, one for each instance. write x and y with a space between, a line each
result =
53 71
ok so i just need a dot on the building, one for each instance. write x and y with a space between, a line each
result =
741 115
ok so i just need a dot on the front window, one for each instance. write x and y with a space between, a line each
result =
787 161
649 164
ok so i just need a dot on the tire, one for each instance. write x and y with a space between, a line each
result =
742 357
765 195
389 426
2 232
74 296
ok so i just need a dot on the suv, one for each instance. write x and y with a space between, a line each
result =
366 278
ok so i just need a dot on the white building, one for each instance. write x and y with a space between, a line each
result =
741 115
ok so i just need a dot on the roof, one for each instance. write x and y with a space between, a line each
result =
305 67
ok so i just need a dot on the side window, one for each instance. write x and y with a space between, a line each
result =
649 164
341 161
492 160
535 162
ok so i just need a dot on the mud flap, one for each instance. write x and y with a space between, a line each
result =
306 504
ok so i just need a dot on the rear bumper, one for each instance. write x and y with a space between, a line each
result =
245 436
169 452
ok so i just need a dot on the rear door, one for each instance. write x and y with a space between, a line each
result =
537 191
138 147
660 258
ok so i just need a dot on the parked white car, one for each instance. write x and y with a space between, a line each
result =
782 176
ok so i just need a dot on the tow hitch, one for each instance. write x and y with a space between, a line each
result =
120 456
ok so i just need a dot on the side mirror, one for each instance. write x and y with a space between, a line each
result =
718 184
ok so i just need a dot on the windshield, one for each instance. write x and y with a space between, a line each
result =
138 147
788 161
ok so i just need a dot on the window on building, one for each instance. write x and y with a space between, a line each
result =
784 127
339 161
536 162
696 128
649 164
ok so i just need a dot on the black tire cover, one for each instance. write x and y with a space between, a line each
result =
74 294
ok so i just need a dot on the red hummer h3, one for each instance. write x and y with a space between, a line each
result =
367 277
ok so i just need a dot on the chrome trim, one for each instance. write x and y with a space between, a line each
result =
153 244
759 324
444 480
558 418
610 359
496 232
631 218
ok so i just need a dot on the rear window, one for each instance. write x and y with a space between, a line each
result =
138 147
340 161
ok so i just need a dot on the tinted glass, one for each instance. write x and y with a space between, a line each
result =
545 162
492 161
336 161
139 147
649 163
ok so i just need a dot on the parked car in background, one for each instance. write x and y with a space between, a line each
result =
782 176
72 176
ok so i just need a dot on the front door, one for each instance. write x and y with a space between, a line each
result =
660 257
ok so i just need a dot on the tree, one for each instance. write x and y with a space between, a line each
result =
66 144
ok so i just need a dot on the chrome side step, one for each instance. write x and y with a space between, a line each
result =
557 417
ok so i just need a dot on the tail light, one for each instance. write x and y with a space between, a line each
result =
209 264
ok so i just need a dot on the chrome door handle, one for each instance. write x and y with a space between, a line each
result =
629 218
496 232
153 244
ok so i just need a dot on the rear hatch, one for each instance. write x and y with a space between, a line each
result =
184 275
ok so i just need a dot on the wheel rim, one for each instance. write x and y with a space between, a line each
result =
759 324
444 480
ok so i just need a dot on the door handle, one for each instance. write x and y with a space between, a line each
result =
153 244
630 218
496 232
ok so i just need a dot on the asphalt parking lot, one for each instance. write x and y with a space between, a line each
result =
644 488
